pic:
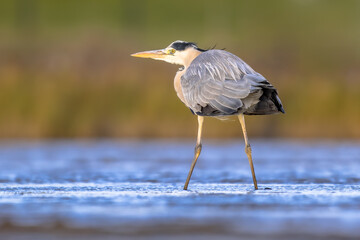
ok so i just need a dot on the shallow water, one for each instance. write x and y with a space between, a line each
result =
107 189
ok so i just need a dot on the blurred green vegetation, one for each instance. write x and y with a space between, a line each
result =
66 70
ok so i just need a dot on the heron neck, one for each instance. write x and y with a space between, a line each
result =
192 54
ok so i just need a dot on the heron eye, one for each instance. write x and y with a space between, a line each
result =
171 51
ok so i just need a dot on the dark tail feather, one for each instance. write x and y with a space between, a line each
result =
269 103
276 100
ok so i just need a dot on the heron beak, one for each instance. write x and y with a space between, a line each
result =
156 54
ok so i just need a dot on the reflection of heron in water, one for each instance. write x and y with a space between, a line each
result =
217 83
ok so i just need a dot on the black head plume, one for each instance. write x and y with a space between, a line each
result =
182 45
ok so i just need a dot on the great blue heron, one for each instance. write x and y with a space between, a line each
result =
216 83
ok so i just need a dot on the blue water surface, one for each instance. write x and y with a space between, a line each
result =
133 189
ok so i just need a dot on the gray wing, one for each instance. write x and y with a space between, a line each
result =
220 83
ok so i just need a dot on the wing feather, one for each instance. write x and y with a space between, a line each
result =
216 78
221 108
231 103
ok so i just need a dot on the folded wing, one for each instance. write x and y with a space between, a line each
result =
218 83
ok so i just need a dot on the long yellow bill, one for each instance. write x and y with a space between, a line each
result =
150 54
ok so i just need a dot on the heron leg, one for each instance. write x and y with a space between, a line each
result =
248 149
197 151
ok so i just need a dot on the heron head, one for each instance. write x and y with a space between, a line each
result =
178 52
